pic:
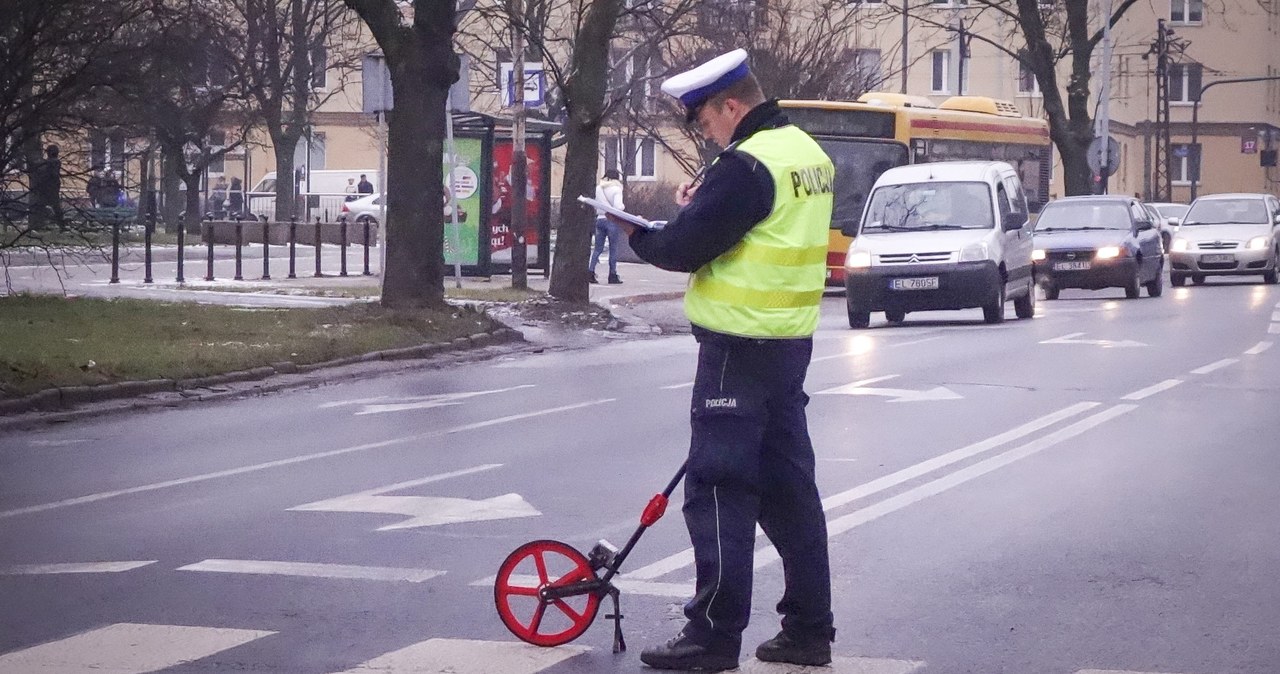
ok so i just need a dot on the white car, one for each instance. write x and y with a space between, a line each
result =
368 208
1228 235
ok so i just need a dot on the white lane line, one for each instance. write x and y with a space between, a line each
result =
1275 317
839 665
467 656
1215 366
768 555
528 415
628 585
1152 390
258 567
127 648
685 557
73 567
673 387
1273 329
102 496
1258 348
1114 671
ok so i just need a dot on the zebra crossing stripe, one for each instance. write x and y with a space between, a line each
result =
312 570
838 665
466 656
1114 671
73 567
126 648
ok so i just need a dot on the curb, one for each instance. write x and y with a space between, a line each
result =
56 401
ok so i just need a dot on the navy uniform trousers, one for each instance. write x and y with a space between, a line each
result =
750 460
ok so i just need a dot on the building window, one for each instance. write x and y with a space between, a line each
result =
941 71
635 77
1028 85
1186 163
867 69
1184 81
634 157
319 68
1186 11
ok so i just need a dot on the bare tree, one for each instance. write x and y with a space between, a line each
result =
418 46
55 52
289 47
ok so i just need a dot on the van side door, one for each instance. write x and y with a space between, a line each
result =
1017 242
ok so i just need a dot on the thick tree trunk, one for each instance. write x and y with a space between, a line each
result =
287 188
584 100
193 215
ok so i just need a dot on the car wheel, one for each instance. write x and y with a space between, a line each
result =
1025 306
1178 280
1197 279
1156 286
1273 276
994 311
367 220
1134 285
1051 292
895 316
859 319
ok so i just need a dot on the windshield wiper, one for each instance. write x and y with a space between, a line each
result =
1074 229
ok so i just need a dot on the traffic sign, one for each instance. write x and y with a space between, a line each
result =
1095 158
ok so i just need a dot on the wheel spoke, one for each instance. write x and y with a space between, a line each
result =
521 591
537 618
572 576
542 566
568 610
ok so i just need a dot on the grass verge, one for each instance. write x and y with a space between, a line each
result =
48 341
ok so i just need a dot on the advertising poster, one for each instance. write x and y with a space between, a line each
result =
463 245
500 238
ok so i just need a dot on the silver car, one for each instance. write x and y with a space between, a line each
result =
1227 235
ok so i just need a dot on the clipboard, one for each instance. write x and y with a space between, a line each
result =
621 214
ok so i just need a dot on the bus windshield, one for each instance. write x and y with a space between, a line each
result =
915 207
858 164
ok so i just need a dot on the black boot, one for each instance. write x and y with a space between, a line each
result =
682 654
593 278
783 648
613 278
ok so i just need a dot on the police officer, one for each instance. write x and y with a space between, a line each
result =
754 237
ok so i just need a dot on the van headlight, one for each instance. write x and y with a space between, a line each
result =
1107 253
974 252
1038 254
1259 242
858 259
1180 246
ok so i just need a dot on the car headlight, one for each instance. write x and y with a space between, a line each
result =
974 252
1107 253
858 259
1038 254
1259 242
1180 246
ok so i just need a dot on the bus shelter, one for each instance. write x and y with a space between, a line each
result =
483 240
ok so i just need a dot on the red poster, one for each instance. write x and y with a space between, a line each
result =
500 217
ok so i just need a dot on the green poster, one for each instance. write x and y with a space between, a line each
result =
462 243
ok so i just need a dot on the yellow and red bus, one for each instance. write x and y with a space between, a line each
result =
883 130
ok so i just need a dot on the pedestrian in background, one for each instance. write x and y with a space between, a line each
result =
609 191
364 187
350 190
46 190
235 198
754 237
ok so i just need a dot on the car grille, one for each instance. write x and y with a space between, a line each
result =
1218 245
1069 255
915 258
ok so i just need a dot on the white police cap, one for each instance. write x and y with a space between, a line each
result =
694 87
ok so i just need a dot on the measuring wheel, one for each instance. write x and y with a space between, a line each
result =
534 593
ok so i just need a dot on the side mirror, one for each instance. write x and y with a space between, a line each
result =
1174 221
1012 221
849 228
1144 225
1278 218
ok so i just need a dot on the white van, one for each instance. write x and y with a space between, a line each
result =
326 191
945 235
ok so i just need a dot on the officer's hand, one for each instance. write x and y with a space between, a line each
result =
684 194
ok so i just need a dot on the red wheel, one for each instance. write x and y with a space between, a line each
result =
544 622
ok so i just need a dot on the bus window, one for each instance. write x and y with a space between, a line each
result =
858 164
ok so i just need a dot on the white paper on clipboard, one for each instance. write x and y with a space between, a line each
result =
621 214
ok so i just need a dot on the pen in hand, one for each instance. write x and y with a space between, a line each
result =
684 194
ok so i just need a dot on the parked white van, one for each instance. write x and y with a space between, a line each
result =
326 191
945 235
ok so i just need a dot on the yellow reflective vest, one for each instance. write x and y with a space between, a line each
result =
770 284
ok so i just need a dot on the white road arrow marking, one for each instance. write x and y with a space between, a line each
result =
860 388
1104 343
426 511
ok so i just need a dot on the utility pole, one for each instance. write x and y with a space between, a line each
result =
1104 104
964 38
519 160
904 46
1164 155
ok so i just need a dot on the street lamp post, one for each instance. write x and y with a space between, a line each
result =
1195 124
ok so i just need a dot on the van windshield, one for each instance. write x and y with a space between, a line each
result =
915 207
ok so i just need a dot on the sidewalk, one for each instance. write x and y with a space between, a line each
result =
92 277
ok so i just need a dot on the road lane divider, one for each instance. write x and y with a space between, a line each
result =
1217 365
468 656
72 567
684 558
839 525
1152 390
242 470
1258 348
257 567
